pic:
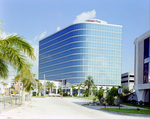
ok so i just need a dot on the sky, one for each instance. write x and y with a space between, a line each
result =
36 19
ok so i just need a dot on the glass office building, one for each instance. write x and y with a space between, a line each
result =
90 48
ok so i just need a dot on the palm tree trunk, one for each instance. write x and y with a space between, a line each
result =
23 96
30 95
72 92
78 92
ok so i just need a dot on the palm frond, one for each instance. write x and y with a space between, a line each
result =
17 60
20 43
3 68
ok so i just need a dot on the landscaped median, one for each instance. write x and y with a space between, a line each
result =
90 97
133 111
136 105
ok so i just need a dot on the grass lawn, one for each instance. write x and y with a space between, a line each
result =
39 96
90 97
134 111
136 105
67 96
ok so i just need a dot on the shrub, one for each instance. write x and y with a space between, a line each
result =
94 99
75 94
141 102
110 99
101 101
99 94
65 94
61 93
86 93
34 93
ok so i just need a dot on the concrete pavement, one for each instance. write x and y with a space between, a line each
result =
61 108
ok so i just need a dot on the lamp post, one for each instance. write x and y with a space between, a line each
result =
119 92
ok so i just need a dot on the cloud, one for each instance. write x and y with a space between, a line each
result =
6 34
85 16
35 38
30 41
42 35
58 28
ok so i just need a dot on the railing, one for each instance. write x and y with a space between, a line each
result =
10 101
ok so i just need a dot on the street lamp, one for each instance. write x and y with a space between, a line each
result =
119 92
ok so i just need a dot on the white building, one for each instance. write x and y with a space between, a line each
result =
127 80
142 67
8 80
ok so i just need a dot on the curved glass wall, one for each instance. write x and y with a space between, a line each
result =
81 50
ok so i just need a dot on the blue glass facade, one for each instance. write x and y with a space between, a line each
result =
80 50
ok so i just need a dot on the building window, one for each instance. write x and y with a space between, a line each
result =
146 68
146 48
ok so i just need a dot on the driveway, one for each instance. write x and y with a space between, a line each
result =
60 108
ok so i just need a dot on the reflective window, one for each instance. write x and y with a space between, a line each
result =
80 50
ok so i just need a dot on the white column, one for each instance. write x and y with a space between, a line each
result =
140 95
70 91
56 90
78 92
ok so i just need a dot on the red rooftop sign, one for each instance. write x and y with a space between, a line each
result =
93 21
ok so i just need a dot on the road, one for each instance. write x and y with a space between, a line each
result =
60 108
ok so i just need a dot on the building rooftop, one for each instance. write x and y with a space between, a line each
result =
142 37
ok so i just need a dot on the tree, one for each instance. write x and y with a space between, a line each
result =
126 91
88 83
107 90
27 82
94 89
14 51
100 94
50 85
12 87
59 90
110 97
4 84
101 88
79 87
39 85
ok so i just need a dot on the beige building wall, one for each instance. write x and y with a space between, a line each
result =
140 62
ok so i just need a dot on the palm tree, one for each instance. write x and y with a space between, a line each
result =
14 51
50 85
27 83
88 83
4 84
79 87
39 85
94 89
